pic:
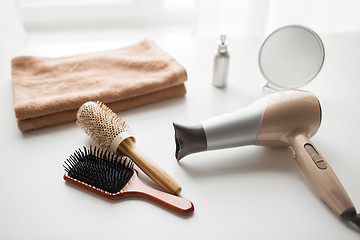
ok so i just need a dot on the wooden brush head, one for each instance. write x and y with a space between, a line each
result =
104 126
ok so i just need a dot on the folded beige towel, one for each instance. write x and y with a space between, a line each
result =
48 91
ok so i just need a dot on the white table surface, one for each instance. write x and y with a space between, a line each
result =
240 193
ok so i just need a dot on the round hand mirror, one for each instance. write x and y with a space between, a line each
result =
291 56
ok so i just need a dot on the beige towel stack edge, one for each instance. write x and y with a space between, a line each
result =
48 91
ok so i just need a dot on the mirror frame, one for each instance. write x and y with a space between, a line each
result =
270 83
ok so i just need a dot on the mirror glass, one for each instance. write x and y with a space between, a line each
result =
291 56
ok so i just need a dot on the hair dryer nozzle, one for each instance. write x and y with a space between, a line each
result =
189 139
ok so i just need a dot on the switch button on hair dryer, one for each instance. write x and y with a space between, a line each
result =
285 118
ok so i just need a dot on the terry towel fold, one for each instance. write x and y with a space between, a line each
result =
48 91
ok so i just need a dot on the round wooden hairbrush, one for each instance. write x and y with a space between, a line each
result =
109 131
113 177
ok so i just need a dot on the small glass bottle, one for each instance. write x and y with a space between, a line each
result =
221 64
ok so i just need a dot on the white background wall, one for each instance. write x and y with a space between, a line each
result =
201 18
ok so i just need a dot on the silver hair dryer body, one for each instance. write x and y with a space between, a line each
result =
239 128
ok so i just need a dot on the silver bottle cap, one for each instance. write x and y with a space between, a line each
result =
222 44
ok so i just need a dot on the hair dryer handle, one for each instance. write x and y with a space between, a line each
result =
321 176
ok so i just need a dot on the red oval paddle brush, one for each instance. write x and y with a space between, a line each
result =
113 177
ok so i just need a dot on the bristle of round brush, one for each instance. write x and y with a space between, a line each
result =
99 168
101 123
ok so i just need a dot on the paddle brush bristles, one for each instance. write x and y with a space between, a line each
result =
100 169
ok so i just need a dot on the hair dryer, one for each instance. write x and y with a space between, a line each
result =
286 118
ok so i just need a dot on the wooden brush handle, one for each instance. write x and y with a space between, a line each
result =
149 167
137 188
